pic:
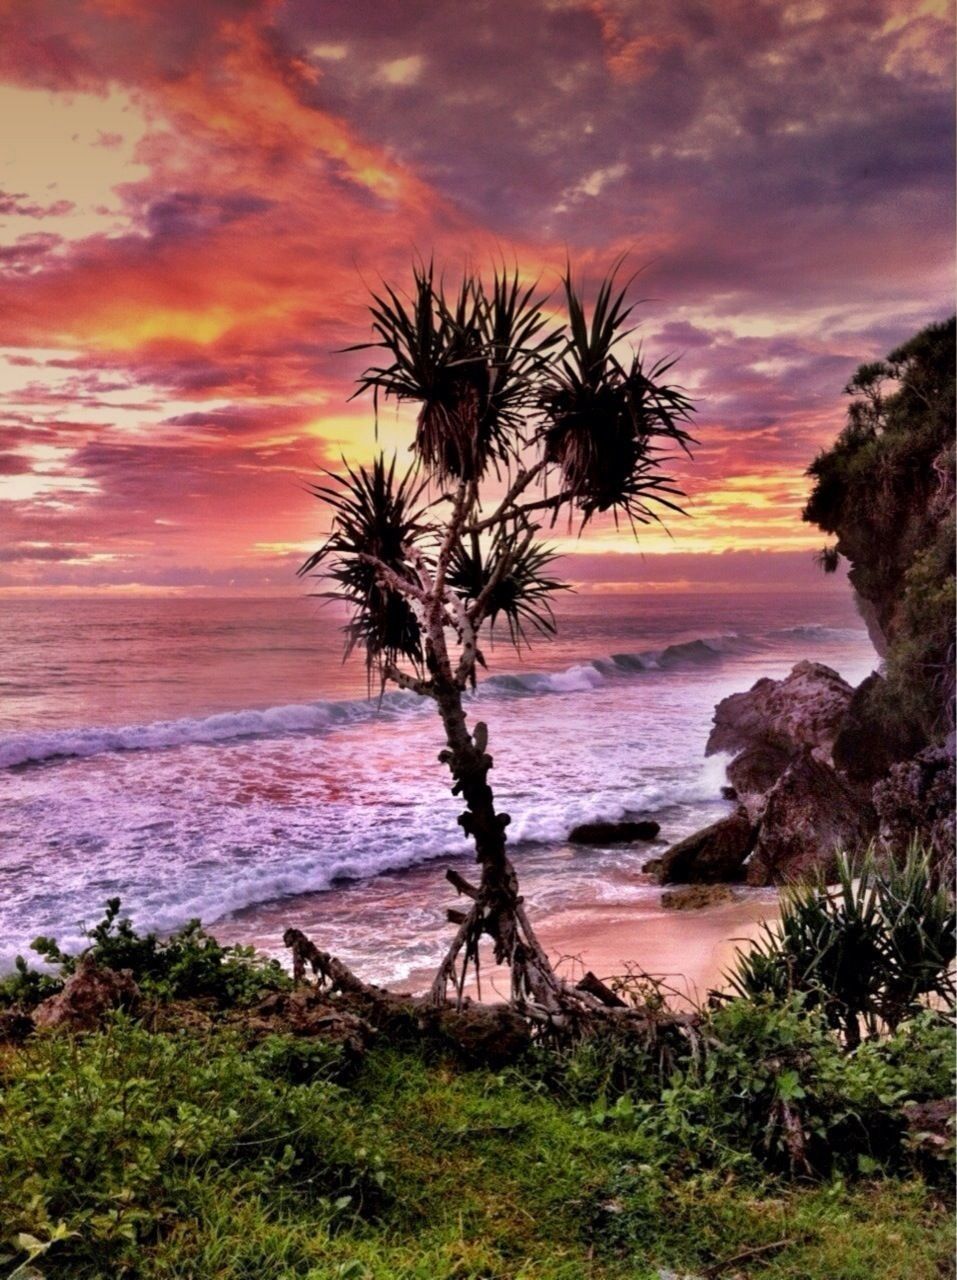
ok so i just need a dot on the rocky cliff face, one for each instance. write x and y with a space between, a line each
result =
886 490
819 765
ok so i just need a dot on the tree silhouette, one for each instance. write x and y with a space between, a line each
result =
509 398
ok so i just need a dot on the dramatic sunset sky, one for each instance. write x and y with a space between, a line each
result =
192 193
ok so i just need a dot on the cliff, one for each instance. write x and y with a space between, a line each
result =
885 489
821 766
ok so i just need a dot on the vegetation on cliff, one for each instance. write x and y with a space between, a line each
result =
886 490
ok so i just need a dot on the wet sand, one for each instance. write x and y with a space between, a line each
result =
687 951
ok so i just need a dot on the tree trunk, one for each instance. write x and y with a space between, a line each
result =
497 905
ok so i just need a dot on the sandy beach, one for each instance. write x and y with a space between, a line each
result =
688 951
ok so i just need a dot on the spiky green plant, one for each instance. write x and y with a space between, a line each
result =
511 574
376 519
868 949
607 424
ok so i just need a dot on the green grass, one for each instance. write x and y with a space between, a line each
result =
198 1156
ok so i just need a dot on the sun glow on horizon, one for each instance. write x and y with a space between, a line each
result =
196 200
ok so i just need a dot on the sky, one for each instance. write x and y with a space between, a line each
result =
196 197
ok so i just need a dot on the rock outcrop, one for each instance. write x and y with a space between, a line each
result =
885 491
918 795
796 810
809 816
715 854
310 1013
694 897
613 832
817 764
805 709
754 771
867 744
88 995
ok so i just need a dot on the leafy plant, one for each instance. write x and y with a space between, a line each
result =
189 963
868 950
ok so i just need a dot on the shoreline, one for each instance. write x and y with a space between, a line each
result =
687 950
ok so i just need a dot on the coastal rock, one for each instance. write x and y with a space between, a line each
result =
805 709
754 771
917 799
613 832
693 897
930 1127
87 997
310 1013
711 855
484 1035
810 815
870 741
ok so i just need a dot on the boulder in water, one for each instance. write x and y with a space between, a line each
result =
613 832
711 855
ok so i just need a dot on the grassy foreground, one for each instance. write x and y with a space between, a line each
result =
196 1154
196 1135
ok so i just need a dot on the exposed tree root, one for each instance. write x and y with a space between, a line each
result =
543 1003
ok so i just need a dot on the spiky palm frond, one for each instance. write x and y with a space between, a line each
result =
467 362
517 344
374 514
436 359
828 559
607 424
521 590
870 947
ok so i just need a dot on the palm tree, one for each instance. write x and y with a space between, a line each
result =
547 409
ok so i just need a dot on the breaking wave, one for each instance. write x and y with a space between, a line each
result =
17 749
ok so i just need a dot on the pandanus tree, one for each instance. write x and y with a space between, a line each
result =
522 418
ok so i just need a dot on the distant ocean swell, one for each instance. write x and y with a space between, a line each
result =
18 749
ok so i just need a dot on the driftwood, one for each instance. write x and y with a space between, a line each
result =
744 1256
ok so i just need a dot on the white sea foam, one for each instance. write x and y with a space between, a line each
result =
206 816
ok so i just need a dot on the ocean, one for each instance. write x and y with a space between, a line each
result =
216 758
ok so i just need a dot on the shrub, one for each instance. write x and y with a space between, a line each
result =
870 949
116 1138
188 964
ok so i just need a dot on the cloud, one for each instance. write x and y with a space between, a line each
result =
187 247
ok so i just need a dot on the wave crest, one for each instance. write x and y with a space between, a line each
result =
19 749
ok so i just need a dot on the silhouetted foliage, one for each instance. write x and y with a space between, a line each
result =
547 408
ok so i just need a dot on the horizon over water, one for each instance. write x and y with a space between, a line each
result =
215 758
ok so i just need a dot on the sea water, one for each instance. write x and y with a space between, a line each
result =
216 758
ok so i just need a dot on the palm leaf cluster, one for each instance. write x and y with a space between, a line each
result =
501 384
374 514
868 949
466 362
511 576
606 422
